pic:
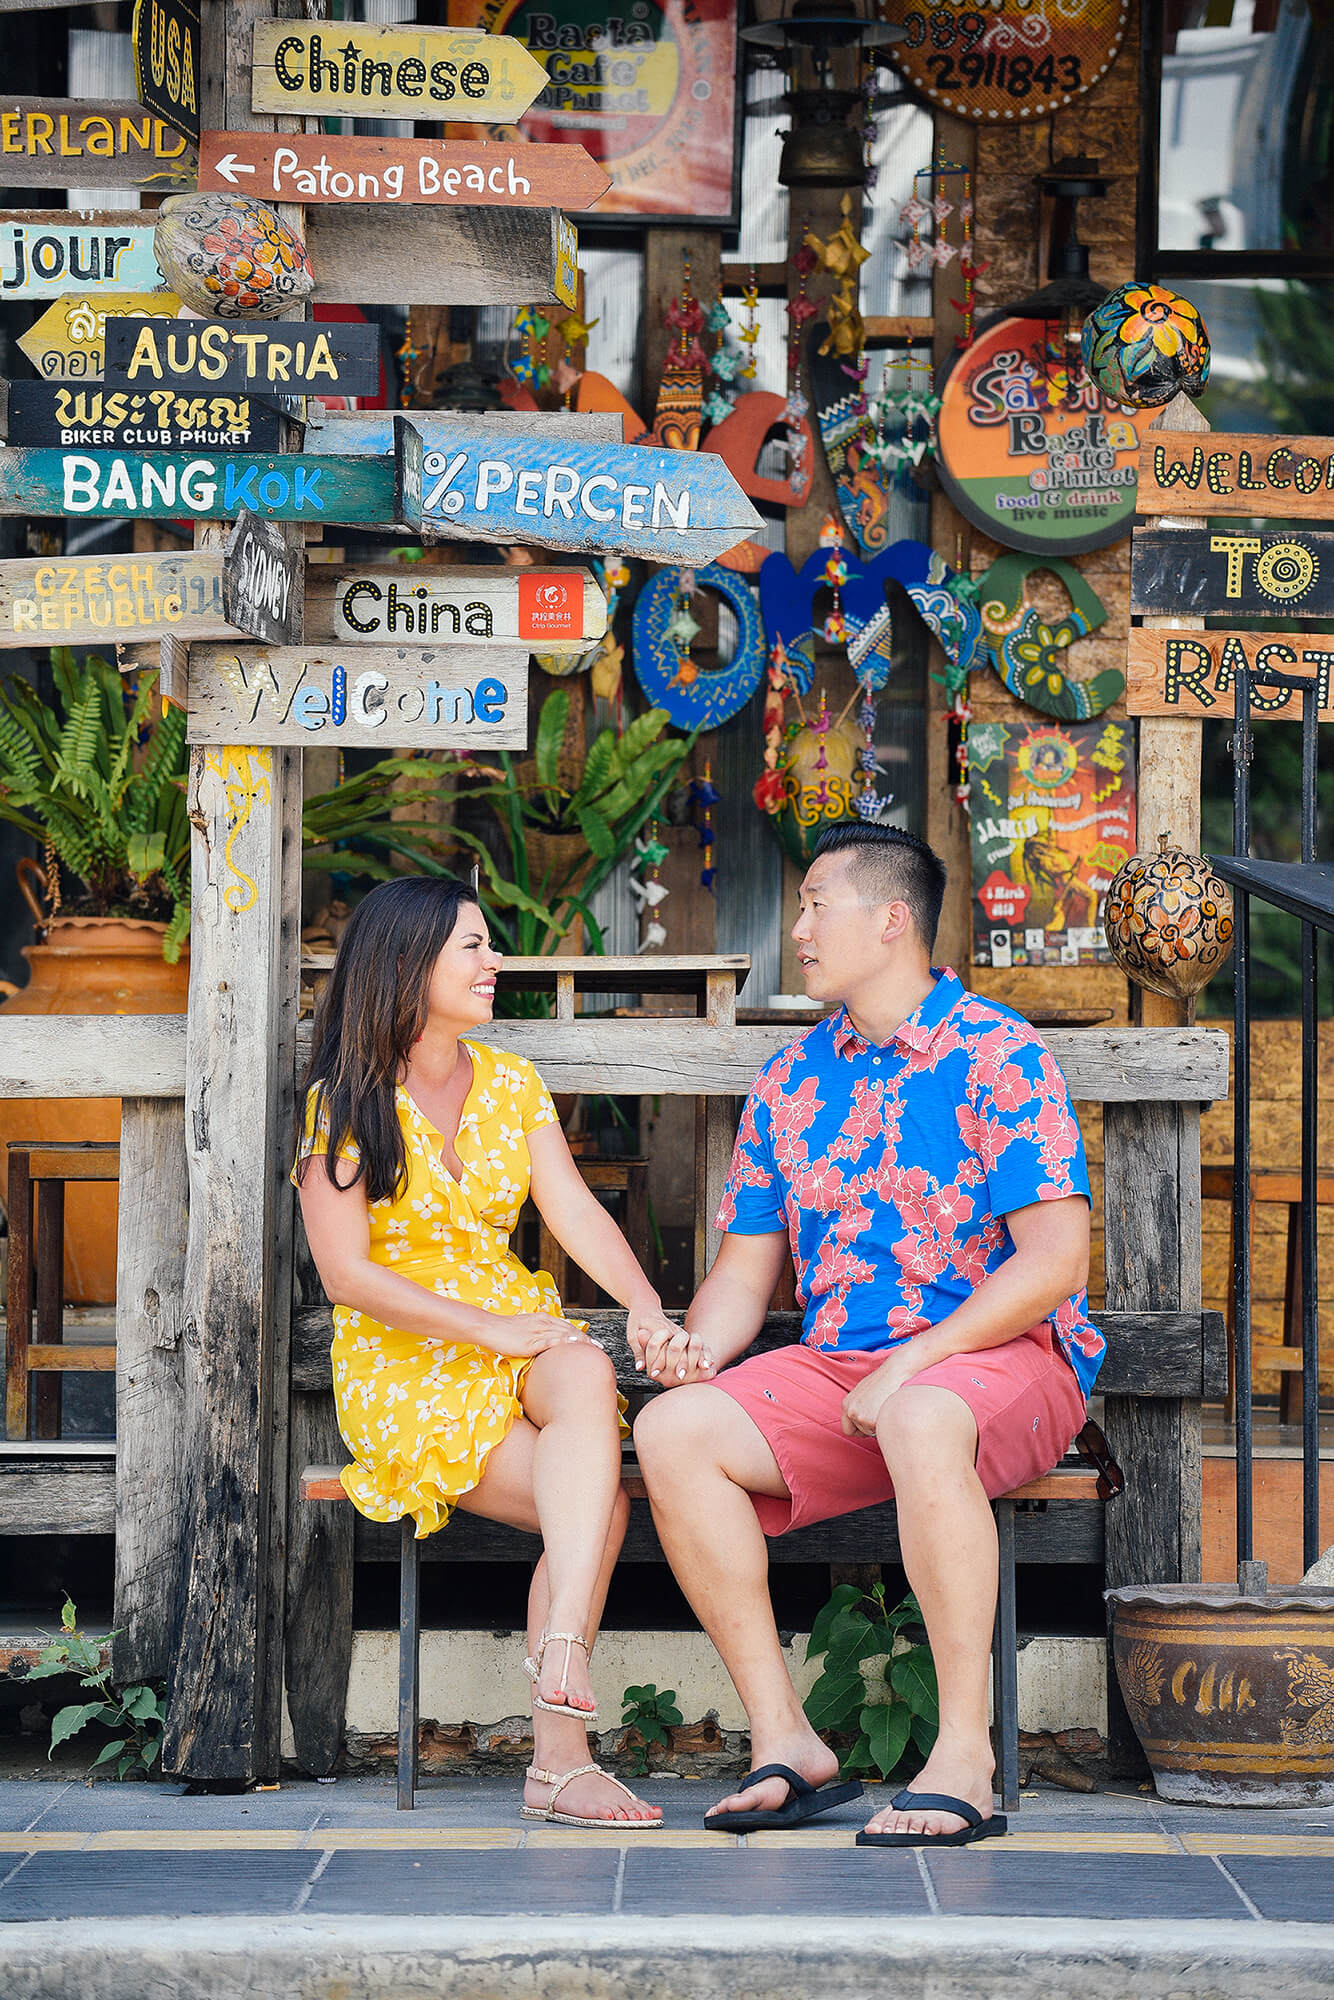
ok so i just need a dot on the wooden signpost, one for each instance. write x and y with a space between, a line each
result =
261 582
1194 673
350 70
363 697
1258 574
56 414
1282 477
67 343
61 142
215 355
547 610
398 172
166 61
444 256
165 485
668 506
51 252
120 600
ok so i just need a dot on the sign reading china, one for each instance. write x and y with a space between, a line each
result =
550 610
372 697
1038 463
339 358
399 171
352 69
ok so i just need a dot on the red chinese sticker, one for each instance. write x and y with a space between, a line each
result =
551 604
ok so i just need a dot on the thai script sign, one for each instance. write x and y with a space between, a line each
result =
380 698
67 344
68 413
328 358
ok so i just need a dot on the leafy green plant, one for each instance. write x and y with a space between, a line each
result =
892 1706
96 777
650 1714
138 1713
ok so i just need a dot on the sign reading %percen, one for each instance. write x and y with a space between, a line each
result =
347 69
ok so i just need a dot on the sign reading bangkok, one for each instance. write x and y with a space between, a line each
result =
159 485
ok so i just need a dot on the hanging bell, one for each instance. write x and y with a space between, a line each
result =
822 149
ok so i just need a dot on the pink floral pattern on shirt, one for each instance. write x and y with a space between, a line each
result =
892 1169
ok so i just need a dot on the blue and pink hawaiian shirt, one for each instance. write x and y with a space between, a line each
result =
893 1168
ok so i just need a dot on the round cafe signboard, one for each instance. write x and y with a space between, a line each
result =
1001 60
1039 460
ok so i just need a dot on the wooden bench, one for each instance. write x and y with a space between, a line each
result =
1156 1350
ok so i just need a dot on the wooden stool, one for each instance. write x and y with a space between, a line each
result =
1284 1189
34 1163
628 1178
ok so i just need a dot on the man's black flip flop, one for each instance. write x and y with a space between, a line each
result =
976 1829
805 1802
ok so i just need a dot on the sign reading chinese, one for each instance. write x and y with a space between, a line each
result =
649 90
1191 570
351 69
1038 463
398 172
1195 673
68 413
1006 60
364 697
1052 819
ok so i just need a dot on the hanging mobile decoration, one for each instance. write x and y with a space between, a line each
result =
407 356
870 805
843 256
969 269
704 797
750 332
722 365
677 418
835 575
649 892
529 366
913 410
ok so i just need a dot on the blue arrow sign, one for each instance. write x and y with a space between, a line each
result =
200 485
468 484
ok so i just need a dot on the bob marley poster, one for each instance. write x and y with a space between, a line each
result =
1053 818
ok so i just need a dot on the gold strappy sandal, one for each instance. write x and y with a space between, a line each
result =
533 1669
558 1784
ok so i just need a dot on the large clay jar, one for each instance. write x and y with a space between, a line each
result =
89 965
1232 1697
1168 919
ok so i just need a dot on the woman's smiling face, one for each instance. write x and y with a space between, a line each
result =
463 980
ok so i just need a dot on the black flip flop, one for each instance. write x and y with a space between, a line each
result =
805 1802
976 1829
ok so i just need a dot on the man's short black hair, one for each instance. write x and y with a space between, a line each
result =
890 865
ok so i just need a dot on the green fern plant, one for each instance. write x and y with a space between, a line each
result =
99 779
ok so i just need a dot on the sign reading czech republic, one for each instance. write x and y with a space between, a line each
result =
1006 59
649 90
1040 462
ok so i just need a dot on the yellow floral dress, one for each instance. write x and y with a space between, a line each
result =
420 1416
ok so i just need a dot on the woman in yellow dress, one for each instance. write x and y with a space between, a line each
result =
457 1379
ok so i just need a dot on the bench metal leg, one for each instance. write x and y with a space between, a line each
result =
409 1661
1005 1662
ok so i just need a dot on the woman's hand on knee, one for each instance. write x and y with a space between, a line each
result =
525 1335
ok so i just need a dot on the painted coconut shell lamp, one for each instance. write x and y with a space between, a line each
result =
1145 344
231 257
1168 919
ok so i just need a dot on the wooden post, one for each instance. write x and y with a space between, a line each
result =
1169 758
223 1720
715 1131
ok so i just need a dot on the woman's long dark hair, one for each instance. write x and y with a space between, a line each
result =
373 1011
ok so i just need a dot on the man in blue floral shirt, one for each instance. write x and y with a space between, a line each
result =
917 1156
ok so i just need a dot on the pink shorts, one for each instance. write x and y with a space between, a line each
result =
1024 1397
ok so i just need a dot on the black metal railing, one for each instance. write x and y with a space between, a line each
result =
1305 889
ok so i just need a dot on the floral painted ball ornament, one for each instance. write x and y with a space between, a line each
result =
1168 920
231 257
1145 344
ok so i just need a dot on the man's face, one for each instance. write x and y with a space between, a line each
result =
841 940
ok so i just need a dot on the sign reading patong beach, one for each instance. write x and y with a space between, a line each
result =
399 172
1037 463
324 358
364 697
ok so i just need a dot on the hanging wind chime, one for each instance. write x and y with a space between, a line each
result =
648 890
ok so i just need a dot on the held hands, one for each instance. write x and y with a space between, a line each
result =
525 1335
862 1405
666 1352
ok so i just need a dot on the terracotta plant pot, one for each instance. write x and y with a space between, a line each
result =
1232 1697
89 965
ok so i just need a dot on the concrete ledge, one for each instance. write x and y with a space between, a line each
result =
748 1958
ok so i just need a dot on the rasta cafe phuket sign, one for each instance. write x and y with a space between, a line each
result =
328 358
1038 460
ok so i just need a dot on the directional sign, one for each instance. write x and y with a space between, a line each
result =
366 697
66 343
666 506
398 171
67 413
164 486
1267 574
65 142
474 256
47 252
117 599
166 60
261 581
348 70
1290 477
329 358
549 610
1195 673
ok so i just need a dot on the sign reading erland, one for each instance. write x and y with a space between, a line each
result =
326 359
398 172
369 697
68 413
261 581
65 142
551 610
349 69
166 61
